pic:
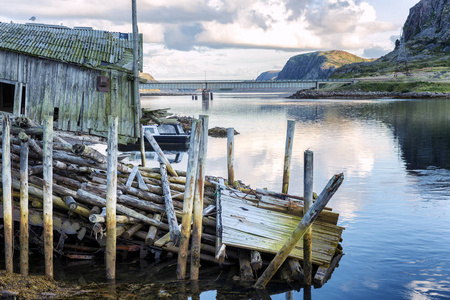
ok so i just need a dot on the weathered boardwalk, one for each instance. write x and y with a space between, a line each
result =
247 226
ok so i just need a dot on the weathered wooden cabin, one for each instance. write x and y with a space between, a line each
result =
79 75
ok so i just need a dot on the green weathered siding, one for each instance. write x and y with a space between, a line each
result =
71 89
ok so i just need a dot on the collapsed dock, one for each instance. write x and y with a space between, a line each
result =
238 226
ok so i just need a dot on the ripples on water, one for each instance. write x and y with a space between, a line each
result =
394 201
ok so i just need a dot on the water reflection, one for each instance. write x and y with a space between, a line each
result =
394 202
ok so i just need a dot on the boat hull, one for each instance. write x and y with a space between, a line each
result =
170 142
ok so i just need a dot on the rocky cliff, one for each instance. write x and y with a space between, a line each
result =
268 75
316 65
426 36
428 26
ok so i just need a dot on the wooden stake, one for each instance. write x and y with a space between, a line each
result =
24 235
288 155
188 198
48 194
160 153
219 219
198 201
170 211
308 202
230 156
7 197
111 199
300 230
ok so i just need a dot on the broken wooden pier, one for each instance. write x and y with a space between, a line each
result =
202 218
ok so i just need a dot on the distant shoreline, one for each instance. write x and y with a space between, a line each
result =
366 95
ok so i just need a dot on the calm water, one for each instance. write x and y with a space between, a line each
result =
395 199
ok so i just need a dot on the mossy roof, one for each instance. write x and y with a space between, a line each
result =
91 48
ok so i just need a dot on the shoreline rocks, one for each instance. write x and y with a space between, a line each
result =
365 95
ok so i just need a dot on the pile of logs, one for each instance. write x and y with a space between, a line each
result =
149 202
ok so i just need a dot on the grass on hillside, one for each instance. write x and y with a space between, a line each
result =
400 87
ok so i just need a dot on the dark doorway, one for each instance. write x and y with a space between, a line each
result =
7 97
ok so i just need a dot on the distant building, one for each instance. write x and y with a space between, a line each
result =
79 75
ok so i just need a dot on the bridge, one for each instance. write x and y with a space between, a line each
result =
232 85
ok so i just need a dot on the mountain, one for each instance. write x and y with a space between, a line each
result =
426 44
428 26
317 65
268 75
147 77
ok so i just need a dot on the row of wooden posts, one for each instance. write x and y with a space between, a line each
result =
192 202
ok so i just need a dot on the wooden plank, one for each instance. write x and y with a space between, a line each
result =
258 229
309 217
324 273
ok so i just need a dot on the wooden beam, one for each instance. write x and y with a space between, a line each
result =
160 153
300 230
170 211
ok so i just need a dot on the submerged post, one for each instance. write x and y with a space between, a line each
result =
48 194
308 202
198 200
288 155
230 156
111 199
24 149
188 199
300 230
7 197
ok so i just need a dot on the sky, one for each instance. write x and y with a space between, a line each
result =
229 39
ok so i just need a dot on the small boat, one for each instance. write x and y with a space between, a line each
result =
168 136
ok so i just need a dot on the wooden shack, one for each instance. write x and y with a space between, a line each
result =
79 75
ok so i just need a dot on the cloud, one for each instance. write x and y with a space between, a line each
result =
182 37
375 52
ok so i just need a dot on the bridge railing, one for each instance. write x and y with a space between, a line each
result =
235 84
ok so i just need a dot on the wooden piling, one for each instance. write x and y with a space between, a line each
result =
198 200
142 146
111 199
170 211
7 197
308 202
188 198
48 193
288 155
219 229
310 216
24 235
230 155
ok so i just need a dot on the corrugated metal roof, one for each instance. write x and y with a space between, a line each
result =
82 46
